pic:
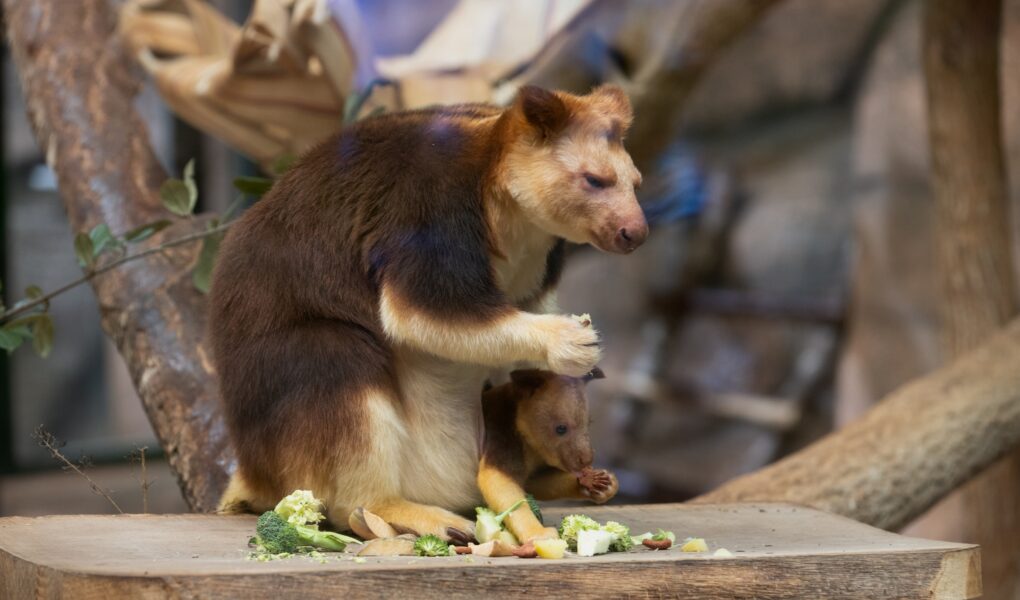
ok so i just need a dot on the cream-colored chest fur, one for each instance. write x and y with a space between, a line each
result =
441 399
441 404
519 273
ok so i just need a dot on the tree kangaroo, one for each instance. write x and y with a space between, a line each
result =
359 307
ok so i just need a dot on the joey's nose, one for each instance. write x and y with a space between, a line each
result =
631 236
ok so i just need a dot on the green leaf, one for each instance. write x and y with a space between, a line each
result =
10 340
33 292
102 239
176 197
42 335
253 186
202 275
144 232
189 182
84 251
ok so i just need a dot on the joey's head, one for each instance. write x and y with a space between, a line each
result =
552 417
567 170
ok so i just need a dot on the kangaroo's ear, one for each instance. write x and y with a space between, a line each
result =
529 379
546 112
595 373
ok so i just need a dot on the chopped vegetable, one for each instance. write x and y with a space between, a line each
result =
621 536
550 548
493 549
593 541
722 552
665 535
300 508
488 524
432 545
276 535
574 524
535 510
398 546
694 545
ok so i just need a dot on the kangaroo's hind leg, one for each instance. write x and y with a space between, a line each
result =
372 478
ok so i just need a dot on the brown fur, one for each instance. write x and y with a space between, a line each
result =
536 441
358 307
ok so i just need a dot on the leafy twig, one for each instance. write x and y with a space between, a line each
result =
45 298
52 444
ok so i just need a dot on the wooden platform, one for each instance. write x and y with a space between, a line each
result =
778 552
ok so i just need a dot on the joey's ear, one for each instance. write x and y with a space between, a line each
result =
595 373
615 101
543 110
528 379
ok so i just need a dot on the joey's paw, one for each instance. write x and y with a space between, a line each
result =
573 347
599 485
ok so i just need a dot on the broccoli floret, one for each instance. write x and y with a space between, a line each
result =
572 525
621 541
488 524
275 535
431 545
535 510
300 508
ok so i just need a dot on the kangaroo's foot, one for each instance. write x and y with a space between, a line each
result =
422 519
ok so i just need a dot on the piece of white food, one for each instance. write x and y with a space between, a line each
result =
593 541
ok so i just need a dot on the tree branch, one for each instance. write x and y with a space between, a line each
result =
910 450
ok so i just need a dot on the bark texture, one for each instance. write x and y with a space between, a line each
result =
79 87
910 450
961 43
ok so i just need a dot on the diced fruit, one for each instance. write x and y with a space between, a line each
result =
550 548
694 545
593 541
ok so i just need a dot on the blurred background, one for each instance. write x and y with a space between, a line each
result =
757 318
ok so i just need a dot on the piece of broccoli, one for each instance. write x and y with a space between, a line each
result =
276 535
300 508
535 510
664 535
488 524
572 525
432 545
621 541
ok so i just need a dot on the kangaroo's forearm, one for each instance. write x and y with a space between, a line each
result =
508 338
554 485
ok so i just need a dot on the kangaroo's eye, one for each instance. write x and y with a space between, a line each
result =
595 182
561 430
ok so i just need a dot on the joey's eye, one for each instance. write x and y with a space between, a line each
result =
595 182
561 430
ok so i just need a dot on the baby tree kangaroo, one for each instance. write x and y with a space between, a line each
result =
537 442
357 309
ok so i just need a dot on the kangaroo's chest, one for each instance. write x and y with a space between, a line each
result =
441 403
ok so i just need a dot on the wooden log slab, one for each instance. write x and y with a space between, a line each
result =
779 551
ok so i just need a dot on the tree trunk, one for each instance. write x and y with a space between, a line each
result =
80 85
973 253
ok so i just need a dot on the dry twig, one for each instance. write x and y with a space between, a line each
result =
48 441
